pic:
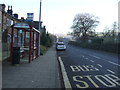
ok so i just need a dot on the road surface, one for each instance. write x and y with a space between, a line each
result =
86 68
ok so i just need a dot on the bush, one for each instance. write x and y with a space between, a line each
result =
97 40
43 49
49 42
46 39
114 48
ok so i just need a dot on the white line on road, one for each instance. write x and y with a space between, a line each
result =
99 65
92 61
95 56
110 71
64 73
114 63
83 56
105 60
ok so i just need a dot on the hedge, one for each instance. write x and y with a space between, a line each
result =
114 48
43 49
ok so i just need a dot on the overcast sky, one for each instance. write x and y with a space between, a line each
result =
57 15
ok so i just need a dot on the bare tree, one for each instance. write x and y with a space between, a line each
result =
110 32
107 32
114 29
84 23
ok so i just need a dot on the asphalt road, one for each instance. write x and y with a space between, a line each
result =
86 68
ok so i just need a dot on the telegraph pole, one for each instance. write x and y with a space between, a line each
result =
39 27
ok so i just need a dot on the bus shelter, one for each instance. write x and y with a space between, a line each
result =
26 38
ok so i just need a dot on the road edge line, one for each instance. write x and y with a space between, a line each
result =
64 74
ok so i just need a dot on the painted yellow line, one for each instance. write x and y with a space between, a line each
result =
65 77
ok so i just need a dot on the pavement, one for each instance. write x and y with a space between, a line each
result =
42 72
0 74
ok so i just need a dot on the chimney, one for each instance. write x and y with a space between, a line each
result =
2 7
10 10
16 15
22 18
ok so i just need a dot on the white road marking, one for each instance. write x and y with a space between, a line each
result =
83 56
114 63
99 65
83 68
111 84
110 71
92 61
95 56
105 60
106 80
64 73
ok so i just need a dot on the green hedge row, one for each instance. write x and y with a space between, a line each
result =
114 48
43 49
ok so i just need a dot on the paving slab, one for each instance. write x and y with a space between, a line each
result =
42 72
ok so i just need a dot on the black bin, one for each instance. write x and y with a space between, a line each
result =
16 55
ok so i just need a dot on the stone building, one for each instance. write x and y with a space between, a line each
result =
7 18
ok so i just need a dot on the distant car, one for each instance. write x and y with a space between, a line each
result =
60 46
